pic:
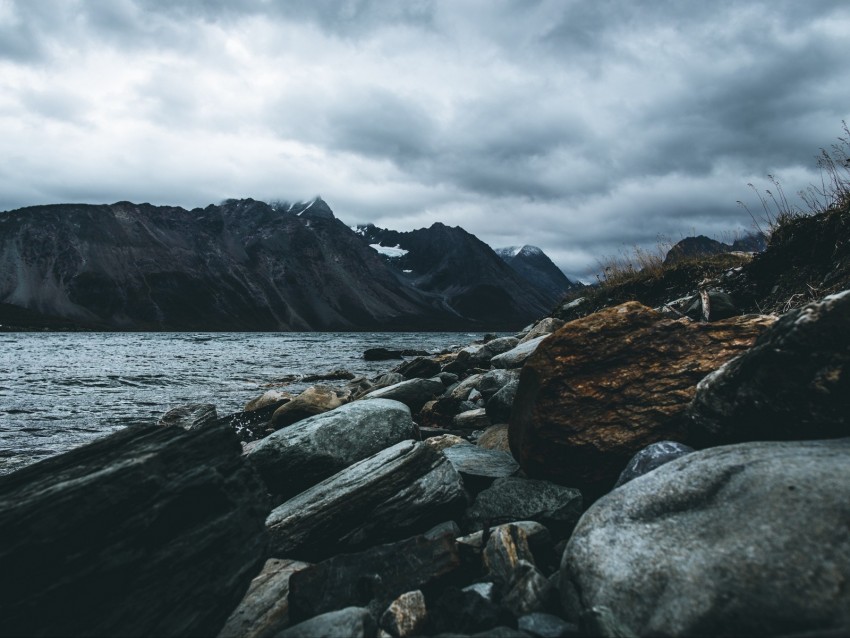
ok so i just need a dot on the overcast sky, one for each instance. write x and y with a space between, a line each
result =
577 126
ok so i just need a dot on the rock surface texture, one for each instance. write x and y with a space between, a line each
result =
747 539
387 496
301 455
605 386
793 384
148 532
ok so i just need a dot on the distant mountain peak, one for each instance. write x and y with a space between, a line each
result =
526 250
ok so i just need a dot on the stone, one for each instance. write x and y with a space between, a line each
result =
542 328
264 610
403 490
372 578
297 457
190 416
537 535
480 467
544 625
483 354
414 393
387 379
529 591
419 368
603 387
495 438
462 390
446 527
746 539
406 615
505 548
447 378
720 306
439 413
518 499
651 457
501 404
314 400
443 441
267 398
472 420
465 611
381 354
351 622
491 382
516 357
149 531
793 384
331 375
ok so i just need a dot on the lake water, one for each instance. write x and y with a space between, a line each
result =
61 390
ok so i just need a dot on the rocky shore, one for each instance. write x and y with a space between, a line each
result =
631 472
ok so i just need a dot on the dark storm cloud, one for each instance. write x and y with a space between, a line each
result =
579 126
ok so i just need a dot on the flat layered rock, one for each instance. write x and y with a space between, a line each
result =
294 458
603 387
147 532
478 466
399 491
414 393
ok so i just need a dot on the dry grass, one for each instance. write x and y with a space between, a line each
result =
630 265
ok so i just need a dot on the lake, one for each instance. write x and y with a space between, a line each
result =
59 390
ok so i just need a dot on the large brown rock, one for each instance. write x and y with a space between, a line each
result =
314 400
605 386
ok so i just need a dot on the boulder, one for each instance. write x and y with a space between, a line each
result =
381 354
267 398
414 393
254 424
296 457
406 615
480 467
472 420
264 610
399 491
495 438
439 413
372 578
481 355
147 532
491 382
542 328
605 386
793 384
651 457
530 591
351 622
461 390
501 404
505 548
418 368
516 357
517 499
747 539
466 611
190 416
314 400
443 441
331 375
543 625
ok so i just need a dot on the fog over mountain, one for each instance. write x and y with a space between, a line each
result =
577 127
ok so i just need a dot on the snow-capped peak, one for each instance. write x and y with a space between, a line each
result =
395 251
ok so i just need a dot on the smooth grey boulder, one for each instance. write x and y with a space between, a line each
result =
747 539
296 457
147 532
478 466
190 416
463 389
414 393
264 611
351 622
519 499
651 457
500 404
397 492
516 357
794 383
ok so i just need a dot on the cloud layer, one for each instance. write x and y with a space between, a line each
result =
575 126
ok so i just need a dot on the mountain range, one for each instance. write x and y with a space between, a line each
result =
247 265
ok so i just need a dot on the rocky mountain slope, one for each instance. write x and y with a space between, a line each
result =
533 265
241 265
464 271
